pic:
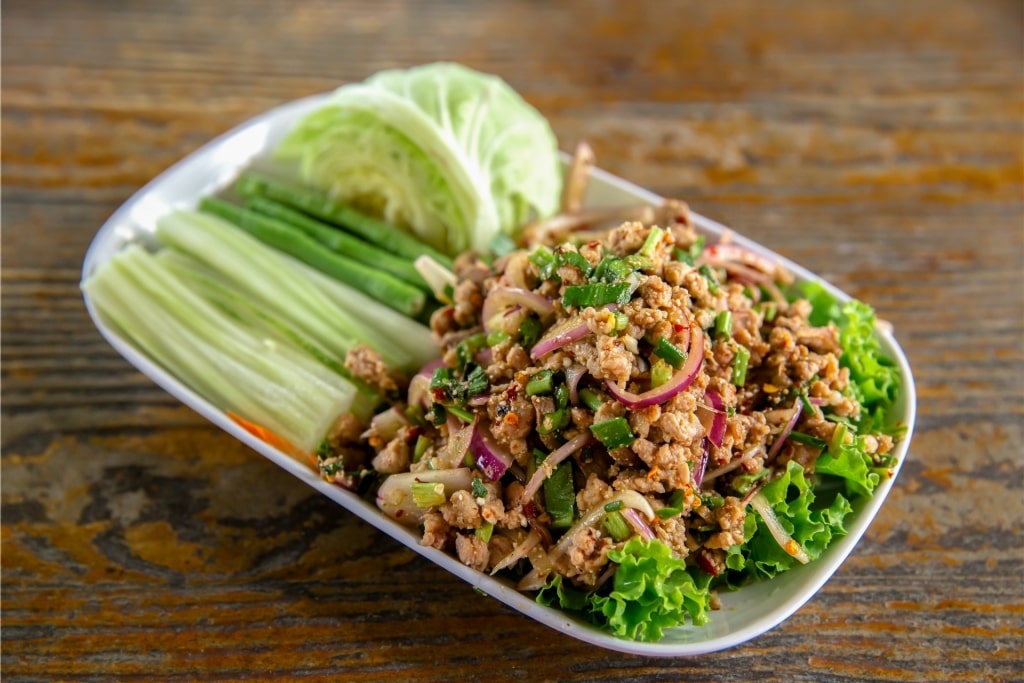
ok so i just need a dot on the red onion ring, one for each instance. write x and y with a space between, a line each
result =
740 254
502 298
717 431
638 524
777 446
545 469
572 378
701 465
491 459
679 381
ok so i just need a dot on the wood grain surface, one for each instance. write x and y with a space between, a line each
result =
880 144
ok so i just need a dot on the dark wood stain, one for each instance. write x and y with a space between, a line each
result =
879 144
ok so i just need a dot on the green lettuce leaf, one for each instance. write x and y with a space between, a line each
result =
652 591
453 155
811 525
853 465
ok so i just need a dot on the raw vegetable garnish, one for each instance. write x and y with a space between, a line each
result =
597 405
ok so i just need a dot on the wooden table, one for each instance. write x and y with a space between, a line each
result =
877 143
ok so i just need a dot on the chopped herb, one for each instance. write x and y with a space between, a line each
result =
461 413
739 368
484 532
597 294
613 433
713 500
671 353
427 494
570 257
673 507
723 324
615 524
478 488
437 415
496 337
654 237
661 372
540 383
743 483
553 421
808 440
544 259
696 250
838 438
529 332
591 399
712 279
422 444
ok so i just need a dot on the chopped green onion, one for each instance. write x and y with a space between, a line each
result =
427 494
838 439
651 243
422 444
808 440
723 324
769 309
613 506
553 421
597 294
696 250
560 496
484 532
621 321
739 368
496 337
568 257
672 354
712 279
673 507
615 524
529 332
745 482
540 383
461 413
591 399
613 433
562 396
661 372
478 488
713 500
544 259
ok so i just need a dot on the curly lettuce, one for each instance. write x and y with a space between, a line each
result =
814 526
453 155
652 590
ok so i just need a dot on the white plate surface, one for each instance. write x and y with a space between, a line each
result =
745 613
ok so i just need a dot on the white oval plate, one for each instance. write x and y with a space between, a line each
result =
744 614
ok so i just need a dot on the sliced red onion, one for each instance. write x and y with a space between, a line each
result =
502 298
460 436
565 332
739 254
781 439
562 333
781 536
701 465
479 400
491 459
717 431
679 381
419 385
518 553
484 357
732 464
546 468
638 524
572 378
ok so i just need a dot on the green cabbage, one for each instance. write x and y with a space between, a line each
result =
453 155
